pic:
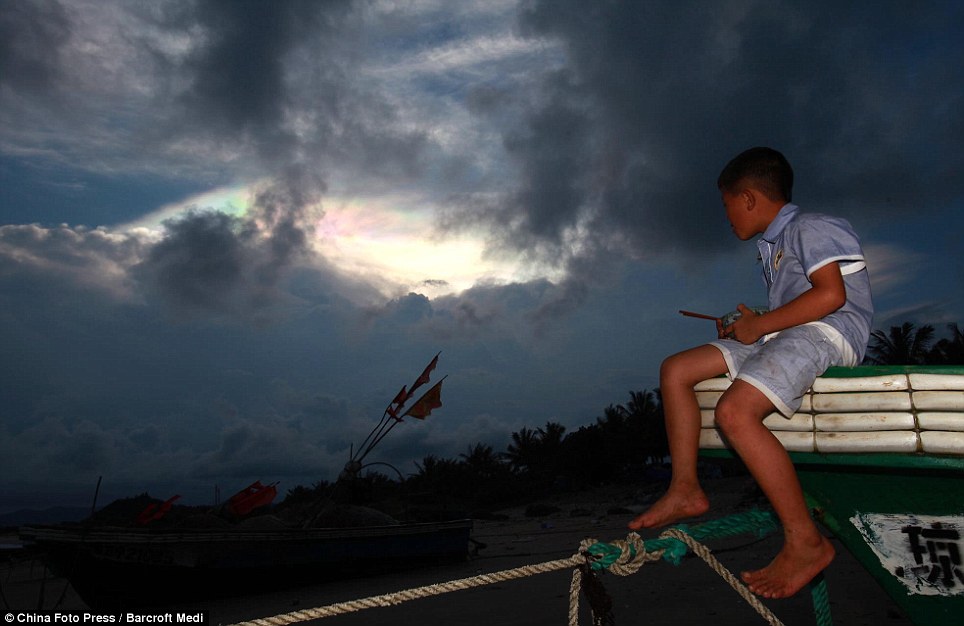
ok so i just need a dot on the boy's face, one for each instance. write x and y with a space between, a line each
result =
738 211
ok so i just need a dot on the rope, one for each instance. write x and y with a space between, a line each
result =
621 557
391 599
704 553
821 600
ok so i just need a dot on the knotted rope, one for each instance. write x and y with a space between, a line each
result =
619 557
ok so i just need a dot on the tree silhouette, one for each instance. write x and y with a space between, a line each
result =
537 453
903 345
482 462
949 351
635 433
523 450
438 475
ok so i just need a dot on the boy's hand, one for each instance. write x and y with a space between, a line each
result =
747 328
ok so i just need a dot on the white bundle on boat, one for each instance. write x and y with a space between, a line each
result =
903 413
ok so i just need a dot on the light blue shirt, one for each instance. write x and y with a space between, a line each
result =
797 244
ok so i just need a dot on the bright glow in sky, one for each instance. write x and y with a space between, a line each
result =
389 241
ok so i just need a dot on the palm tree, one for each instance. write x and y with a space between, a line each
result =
523 450
550 437
481 461
903 345
642 403
536 452
437 474
635 432
949 351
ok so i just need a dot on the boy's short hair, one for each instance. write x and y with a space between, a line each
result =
762 168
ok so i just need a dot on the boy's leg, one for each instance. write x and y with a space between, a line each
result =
806 552
677 377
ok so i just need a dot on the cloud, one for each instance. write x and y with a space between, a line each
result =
626 141
34 258
104 380
583 141
32 38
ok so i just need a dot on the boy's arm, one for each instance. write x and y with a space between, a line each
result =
827 294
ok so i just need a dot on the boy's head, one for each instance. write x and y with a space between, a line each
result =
763 169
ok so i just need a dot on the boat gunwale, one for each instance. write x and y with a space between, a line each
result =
82 534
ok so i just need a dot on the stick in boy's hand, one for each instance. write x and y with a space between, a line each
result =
702 316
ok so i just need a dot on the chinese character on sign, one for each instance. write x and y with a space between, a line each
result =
937 553
923 552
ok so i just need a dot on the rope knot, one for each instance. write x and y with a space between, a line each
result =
674 543
622 557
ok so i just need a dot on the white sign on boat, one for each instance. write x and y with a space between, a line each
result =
924 552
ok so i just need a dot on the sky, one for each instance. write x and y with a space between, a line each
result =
230 231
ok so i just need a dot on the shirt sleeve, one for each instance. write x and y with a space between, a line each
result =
821 240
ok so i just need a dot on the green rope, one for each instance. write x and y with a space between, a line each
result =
760 523
756 522
821 600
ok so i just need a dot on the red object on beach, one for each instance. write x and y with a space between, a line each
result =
154 512
251 497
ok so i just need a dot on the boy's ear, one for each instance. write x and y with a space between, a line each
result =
749 198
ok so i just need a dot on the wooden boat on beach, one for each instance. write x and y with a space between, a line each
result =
122 568
880 455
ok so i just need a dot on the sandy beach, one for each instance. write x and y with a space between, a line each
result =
660 593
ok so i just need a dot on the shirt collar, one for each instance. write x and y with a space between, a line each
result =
786 215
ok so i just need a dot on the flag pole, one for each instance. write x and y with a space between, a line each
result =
390 417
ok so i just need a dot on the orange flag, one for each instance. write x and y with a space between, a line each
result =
431 400
424 378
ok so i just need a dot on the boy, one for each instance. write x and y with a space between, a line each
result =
820 315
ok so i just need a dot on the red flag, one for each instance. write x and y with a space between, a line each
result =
424 378
431 400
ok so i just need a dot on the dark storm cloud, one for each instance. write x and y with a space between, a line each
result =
629 136
211 261
201 262
283 79
240 81
32 36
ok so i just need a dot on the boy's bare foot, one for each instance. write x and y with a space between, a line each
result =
673 506
791 570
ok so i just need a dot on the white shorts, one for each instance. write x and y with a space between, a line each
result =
784 367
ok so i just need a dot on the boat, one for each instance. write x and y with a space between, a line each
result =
880 455
121 567
126 568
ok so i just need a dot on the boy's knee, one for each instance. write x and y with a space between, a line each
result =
740 407
732 415
669 367
726 415
674 369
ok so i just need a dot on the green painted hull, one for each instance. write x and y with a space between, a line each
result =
839 487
